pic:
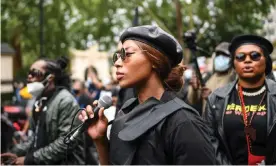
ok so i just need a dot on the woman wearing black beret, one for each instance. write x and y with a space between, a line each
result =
156 127
243 113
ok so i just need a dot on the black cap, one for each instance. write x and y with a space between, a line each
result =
223 47
157 38
263 43
250 39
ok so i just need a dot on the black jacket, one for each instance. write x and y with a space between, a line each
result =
214 114
179 138
60 110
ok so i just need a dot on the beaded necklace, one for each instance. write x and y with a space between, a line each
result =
250 132
260 91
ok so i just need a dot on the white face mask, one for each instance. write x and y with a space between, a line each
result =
221 63
36 88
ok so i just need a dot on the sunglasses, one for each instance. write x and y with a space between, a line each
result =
36 73
255 56
121 54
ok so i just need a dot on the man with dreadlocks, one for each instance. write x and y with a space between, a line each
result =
52 115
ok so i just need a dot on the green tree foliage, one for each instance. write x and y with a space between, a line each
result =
76 23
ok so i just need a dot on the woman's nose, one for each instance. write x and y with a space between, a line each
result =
118 63
247 59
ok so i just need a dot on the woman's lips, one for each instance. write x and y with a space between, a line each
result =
248 69
119 75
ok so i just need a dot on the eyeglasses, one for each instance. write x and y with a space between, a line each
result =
121 54
36 73
255 56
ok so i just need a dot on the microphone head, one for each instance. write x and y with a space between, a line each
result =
105 101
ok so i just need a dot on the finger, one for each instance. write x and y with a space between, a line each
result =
101 114
95 103
81 118
84 115
89 111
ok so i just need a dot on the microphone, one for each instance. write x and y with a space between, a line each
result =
105 102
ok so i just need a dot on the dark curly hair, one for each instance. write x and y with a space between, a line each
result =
57 68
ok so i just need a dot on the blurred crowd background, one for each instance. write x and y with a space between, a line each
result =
87 32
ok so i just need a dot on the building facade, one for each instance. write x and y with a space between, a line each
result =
81 59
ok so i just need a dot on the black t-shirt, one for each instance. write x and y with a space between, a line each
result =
40 128
39 119
234 125
41 137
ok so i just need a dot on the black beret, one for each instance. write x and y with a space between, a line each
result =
157 38
250 39
263 43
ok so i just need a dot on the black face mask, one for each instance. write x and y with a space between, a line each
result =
76 91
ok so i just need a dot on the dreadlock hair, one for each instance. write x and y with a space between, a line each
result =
57 68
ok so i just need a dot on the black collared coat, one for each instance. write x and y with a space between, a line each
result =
180 138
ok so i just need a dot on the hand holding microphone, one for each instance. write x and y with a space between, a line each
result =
94 121
96 129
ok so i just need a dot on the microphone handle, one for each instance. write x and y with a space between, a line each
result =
82 128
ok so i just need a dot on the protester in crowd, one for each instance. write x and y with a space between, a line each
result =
242 113
150 129
114 86
79 91
93 83
187 75
52 116
17 86
223 74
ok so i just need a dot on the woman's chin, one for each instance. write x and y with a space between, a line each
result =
124 84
